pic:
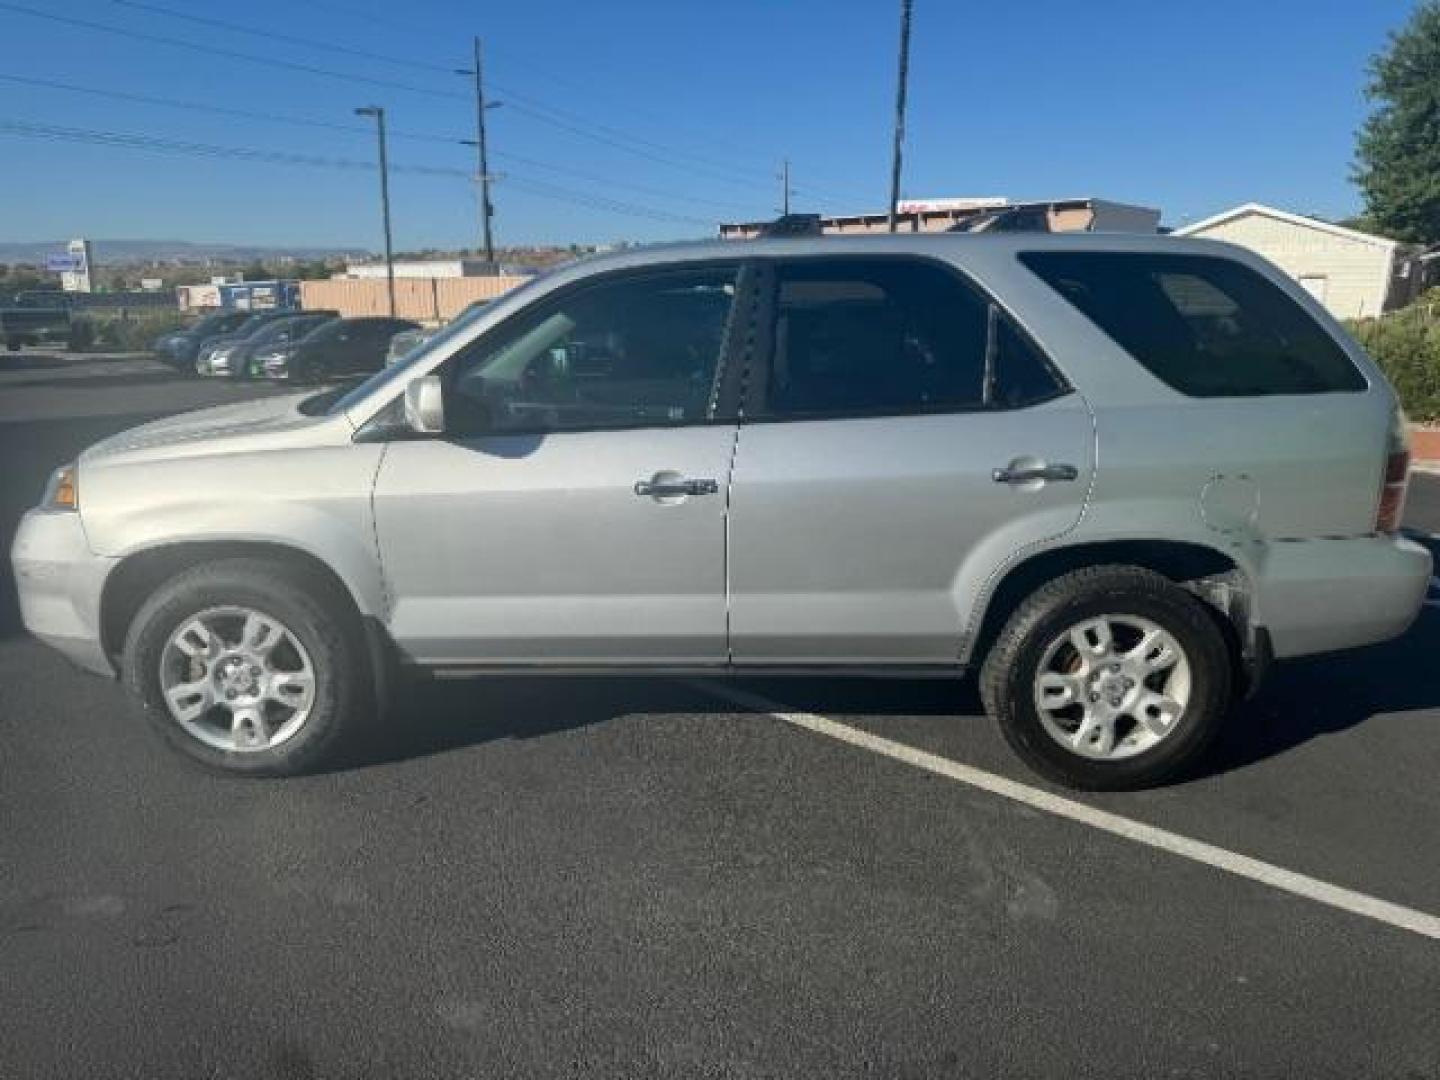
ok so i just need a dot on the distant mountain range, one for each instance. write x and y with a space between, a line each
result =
119 252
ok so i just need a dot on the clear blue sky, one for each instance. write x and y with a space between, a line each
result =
1187 107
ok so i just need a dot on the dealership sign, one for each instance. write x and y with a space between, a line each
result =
68 263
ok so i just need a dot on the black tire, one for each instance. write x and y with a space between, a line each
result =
344 698
1012 667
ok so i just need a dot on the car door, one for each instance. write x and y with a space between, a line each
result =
367 350
574 511
901 435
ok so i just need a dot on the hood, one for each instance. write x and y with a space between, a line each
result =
272 423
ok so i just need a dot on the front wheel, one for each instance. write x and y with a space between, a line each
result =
1109 678
242 666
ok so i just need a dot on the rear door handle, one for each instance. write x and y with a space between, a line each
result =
1020 474
670 486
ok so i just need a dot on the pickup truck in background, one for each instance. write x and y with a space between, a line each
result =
31 324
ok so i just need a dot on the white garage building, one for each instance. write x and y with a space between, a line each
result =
1347 271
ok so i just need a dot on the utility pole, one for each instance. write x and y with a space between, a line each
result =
901 82
486 209
785 188
379 114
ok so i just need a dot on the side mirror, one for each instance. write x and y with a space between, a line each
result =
425 405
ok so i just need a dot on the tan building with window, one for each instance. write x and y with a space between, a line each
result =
1348 271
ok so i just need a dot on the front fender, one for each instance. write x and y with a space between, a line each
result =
316 500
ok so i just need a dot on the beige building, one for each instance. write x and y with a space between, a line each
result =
939 215
421 268
1350 272
426 300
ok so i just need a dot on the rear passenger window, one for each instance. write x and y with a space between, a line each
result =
891 336
1206 326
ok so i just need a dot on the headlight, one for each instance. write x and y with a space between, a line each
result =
63 490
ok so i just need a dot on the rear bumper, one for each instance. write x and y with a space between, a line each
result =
1321 595
59 580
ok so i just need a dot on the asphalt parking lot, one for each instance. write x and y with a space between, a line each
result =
631 878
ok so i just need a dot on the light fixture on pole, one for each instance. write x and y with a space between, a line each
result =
379 114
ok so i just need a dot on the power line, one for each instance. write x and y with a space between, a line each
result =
138 141
234 54
531 67
271 35
642 189
520 102
543 113
356 130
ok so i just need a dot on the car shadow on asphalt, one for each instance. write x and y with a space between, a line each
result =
1301 700
1314 696
33 361
437 716
104 381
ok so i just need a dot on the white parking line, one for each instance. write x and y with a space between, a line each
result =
1357 903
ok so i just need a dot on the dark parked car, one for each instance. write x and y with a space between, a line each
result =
406 340
339 348
241 360
179 348
213 355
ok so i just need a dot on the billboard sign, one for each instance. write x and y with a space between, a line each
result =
64 264
923 206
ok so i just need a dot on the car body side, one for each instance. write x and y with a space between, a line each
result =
1224 492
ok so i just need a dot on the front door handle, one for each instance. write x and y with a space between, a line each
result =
674 486
1023 474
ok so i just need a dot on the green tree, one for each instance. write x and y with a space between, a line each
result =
1398 149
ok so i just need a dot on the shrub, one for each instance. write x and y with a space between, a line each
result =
1406 345
130 332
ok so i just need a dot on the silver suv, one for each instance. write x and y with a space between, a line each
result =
1114 475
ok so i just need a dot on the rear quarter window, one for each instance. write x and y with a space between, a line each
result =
1206 326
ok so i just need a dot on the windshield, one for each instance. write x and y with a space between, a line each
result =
288 329
396 371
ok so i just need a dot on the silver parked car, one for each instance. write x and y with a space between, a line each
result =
1114 475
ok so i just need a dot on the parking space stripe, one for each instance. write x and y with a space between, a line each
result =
1277 877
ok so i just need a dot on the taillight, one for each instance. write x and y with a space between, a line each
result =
1397 478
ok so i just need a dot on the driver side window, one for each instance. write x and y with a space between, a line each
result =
638 352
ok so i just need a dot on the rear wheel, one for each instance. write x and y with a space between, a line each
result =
244 667
1109 678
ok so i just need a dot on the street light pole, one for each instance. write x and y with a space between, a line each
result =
379 114
902 81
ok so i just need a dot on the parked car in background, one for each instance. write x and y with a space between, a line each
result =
22 324
406 340
213 356
242 362
180 347
1115 475
338 349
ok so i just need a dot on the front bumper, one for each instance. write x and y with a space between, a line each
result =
59 580
1320 595
214 364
